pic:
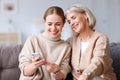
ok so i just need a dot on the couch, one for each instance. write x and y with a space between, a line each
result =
9 61
115 54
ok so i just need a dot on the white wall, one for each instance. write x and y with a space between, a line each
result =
108 18
107 13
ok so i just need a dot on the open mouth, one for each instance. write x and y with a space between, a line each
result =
54 33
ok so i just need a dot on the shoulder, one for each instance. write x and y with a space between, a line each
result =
69 41
73 39
63 45
101 38
32 37
66 46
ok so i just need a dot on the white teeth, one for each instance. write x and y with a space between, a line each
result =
53 32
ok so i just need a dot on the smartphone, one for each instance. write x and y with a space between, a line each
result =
37 54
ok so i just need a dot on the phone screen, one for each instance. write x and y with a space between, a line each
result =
37 54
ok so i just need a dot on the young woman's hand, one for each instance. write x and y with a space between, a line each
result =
54 69
31 68
51 67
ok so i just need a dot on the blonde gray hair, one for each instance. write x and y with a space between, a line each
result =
82 8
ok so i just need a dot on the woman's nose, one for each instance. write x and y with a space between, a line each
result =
53 27
72 23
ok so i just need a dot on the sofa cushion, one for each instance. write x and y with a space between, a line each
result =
9 62
115 54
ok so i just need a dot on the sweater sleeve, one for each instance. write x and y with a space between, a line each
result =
101 60
25 58
65 65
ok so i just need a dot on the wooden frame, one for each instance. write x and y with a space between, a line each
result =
9 38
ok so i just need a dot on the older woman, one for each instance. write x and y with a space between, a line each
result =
51 55
90 49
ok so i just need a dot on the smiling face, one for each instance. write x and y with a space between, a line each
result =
77 21
54 24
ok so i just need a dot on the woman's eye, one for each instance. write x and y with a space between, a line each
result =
73 17
58 24
68 21
49 24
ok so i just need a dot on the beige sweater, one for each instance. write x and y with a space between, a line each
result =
95 59
53 50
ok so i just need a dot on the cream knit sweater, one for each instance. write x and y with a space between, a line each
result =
95 59
53 50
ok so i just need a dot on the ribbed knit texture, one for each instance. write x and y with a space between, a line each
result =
53 50
95 59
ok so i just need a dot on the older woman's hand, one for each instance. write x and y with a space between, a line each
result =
30 69
83 77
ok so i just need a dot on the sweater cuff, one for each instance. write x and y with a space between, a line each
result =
23 77
27 77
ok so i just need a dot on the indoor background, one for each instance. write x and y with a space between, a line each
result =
27 17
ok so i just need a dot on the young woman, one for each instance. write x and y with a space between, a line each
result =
51 54
90 49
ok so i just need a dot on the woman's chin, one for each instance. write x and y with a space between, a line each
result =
54 36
